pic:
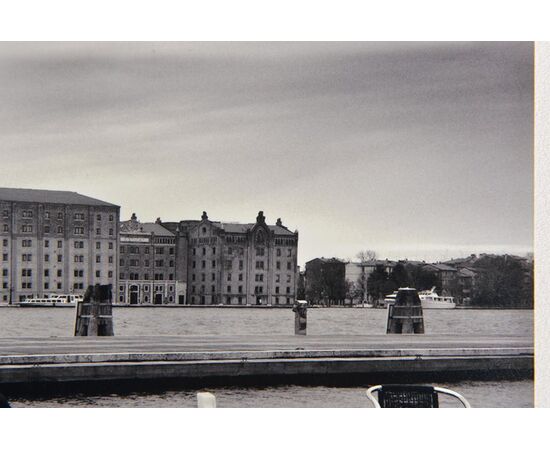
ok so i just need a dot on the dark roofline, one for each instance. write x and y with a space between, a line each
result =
88 201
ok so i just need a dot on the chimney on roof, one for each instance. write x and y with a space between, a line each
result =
204 216
279 222
158 221
260 218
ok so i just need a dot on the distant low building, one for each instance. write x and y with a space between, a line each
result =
325 281
447 276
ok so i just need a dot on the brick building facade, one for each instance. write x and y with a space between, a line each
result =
55 242
148 273
237 264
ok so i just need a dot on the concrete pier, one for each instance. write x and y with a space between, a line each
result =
25 362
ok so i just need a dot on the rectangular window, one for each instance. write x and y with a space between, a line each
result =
47 258
98 245
98 217
98 258
59 285
59 244
4 272
110 231
203 264
259 264
47 215
289 265
46 243
111 217
111 260
78 216
111 246
46 285
241 264
213 264
5 257
98 231
27 214
59 230
240 277
26 229
289 252
276 289
110 274
46 272
260 251
278 252
277 278
229 288
59 272
60 215
228 277
46 229
278 265
98 274
59 258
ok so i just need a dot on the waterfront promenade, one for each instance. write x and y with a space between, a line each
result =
203 360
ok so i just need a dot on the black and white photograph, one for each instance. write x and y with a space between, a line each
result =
262 224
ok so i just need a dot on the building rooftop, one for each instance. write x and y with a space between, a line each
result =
47 196
134 226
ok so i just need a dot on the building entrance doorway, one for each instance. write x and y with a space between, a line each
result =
134 295
158 299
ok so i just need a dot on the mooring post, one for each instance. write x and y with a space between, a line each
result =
405 316
300 317
94 314
206 400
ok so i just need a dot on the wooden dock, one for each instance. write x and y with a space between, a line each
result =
235 360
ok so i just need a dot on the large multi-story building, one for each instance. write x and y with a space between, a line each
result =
237 264
55 242
148 262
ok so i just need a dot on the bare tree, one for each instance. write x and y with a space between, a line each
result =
366 255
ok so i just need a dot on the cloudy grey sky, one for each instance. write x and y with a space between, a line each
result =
418 150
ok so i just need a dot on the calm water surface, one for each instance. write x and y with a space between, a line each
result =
44 322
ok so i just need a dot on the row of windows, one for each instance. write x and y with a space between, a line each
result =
136 276
28 214
136 263
77 273
146 288
77 244
136 250
257 289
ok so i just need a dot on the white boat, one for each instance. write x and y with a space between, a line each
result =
429 300
54 300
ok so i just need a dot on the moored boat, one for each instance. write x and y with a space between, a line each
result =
429 300
54 300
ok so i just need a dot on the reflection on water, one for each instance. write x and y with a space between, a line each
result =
42 322
507 394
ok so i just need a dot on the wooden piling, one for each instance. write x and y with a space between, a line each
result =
94 314
405 316
300 317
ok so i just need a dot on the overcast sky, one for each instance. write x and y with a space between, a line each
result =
418 150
